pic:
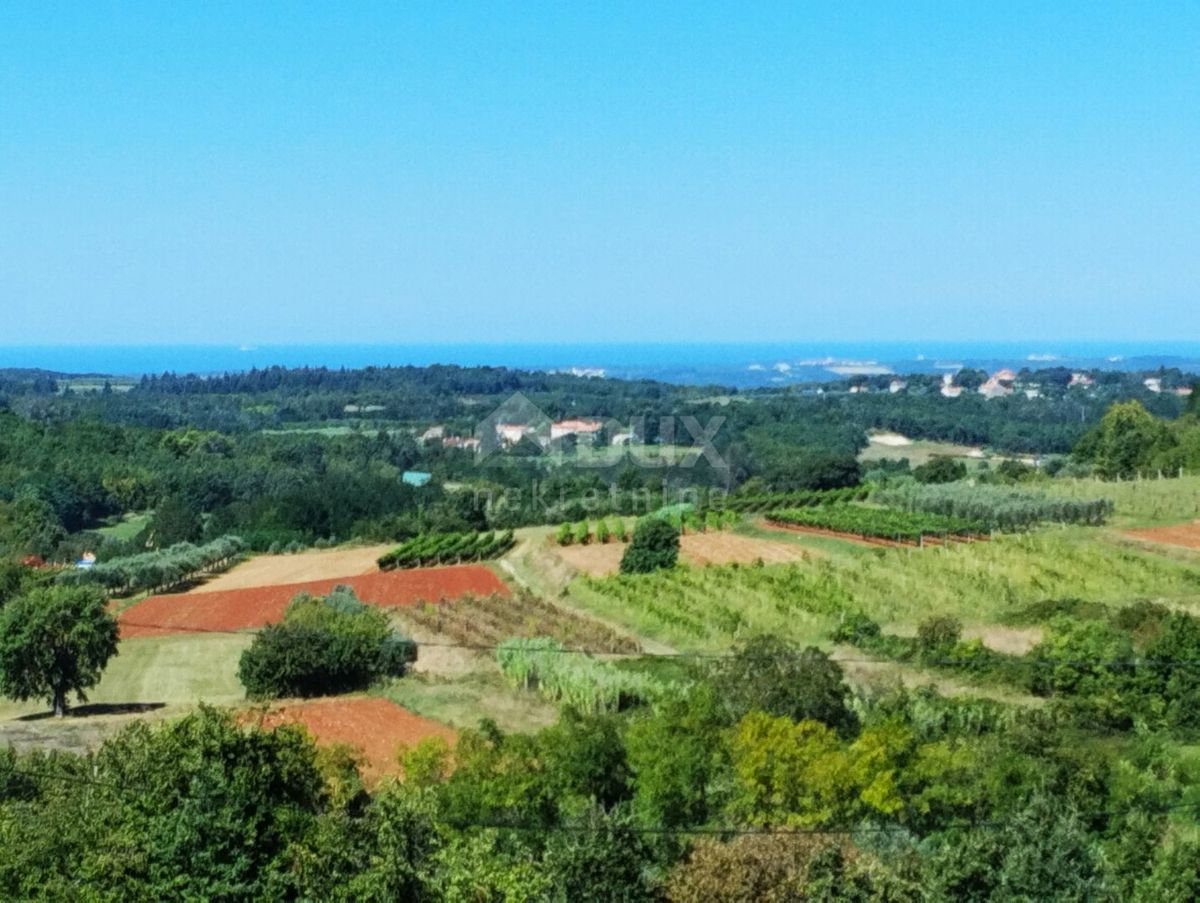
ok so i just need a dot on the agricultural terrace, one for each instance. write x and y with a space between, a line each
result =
602 559
298 567
995 507
484 621
979 583
376 727
244 609
878 523
447 548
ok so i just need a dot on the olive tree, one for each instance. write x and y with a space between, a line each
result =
54 641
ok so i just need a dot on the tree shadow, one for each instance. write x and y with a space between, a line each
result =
98 709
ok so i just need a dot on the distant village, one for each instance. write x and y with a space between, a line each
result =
1005 382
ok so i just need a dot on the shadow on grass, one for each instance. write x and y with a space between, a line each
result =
98 709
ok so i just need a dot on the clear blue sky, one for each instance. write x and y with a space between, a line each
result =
413 172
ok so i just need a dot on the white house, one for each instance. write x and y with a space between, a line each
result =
561 428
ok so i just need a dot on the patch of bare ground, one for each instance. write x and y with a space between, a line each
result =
376 727
1184 535
83 729
604 559
1006 640
302 567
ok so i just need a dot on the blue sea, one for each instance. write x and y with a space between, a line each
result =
743 365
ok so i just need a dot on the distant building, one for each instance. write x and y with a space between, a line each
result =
897 385
1033 392
1183 391
512 433
469 443
1081 379
416 477
561 428
86 560
994 388
623 439
1153 383
949 390
1005 376
433 434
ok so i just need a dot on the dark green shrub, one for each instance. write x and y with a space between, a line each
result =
655 545
324 646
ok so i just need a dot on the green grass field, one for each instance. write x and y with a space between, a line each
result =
462 700
919 451
128 526
1139 503
172 670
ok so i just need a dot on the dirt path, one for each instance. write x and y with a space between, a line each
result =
1185 535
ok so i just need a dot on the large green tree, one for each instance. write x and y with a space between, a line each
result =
55 641
768 674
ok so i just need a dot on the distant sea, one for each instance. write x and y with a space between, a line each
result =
743 365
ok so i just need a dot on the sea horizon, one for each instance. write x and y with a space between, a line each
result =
742 364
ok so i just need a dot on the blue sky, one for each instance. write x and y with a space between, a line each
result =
437 172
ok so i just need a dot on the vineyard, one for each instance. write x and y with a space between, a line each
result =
757 504
545 665
996 507
878 523
488 620
158 570
706 608
683 519
447 548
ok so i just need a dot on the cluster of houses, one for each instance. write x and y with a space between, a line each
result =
1004 382
510 434
1154 384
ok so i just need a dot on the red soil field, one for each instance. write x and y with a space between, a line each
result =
375 726
239 609
1186 535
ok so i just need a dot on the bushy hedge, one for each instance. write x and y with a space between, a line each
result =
155 570
325 645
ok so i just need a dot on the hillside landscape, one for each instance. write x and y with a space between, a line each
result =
838 640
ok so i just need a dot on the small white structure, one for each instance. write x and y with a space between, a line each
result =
561 428
994 388
1153 383
512 433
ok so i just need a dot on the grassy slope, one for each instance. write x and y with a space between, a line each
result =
173 670
977 583
462 700
1140 502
